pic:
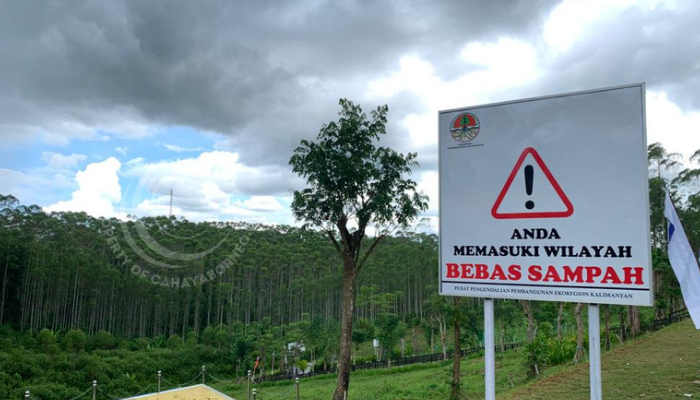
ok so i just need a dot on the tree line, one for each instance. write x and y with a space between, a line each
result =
60 271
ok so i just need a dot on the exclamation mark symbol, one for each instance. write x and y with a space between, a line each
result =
529 175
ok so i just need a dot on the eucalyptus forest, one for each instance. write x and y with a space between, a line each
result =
78 303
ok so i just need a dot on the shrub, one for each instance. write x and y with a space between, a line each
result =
75 340
141 343
302 364
174 341
536 355
545 351
362 360
209 336
560 351
45 340
104 340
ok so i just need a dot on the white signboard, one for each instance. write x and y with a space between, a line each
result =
547 199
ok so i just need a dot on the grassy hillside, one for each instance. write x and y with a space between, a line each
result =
662 365
426 381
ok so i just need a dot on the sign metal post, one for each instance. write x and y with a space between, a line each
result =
489 351
594 351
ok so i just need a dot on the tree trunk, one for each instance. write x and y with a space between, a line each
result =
457 357
348 302
623 327
560 316
414 341
633 320
580 351
443 336
502 340
531 328
4 284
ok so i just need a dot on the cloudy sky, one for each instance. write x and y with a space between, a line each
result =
107 106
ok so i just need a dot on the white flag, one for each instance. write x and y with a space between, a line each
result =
683 262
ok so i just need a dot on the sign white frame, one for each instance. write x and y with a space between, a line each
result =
593 144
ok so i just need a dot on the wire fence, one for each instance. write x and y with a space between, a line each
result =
397 362
673 317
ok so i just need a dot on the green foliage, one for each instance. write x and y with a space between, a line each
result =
417 381
104 340
362 360
141 344
120 371
389 331
75 341
174 341
348 174
536 356
302 364
72 253
546 350
561 351
352 184
209 336
362 332
46 341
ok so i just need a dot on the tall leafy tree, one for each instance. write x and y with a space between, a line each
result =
390 330
354 183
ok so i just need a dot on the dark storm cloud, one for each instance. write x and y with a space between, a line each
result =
161 60
264 73
341 38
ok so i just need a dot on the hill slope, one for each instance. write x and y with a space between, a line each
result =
662 365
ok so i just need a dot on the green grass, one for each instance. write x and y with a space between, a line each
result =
662 365
420 381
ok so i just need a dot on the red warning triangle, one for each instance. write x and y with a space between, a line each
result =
520 199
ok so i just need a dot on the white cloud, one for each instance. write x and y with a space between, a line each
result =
573 20
667 123
414 75
263 203
505 62
428 184
179 149
33 186
78 124
59 161
212 186
496 67
98 190
121 150
137 160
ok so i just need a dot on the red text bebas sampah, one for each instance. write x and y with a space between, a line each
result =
537 273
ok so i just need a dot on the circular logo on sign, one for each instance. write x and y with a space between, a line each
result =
464 127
